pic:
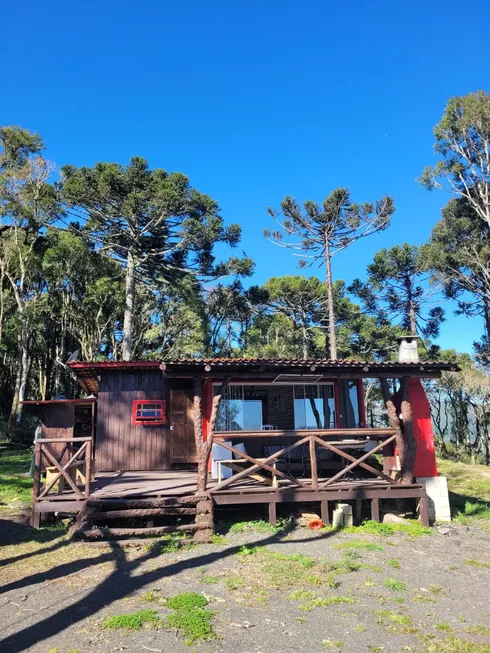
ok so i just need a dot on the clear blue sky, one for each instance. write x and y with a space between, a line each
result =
254 100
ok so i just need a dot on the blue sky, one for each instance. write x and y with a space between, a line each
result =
254 100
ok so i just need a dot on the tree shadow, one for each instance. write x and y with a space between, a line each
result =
118 584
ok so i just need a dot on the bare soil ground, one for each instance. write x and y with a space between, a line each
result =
268 591
265 590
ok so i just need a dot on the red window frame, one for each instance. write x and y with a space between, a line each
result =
159 405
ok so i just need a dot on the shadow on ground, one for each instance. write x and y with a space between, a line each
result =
118 584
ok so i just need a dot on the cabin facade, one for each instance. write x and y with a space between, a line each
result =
276 430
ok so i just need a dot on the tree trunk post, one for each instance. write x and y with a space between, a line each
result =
204 448
130 287
330 304
405 439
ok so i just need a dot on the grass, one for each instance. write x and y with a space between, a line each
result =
132 621
190 617
469 490
395 622
453 645
477 564
257 526
479 630
326 602
194 624
187 601
359 544
395 585
394 562
15 486
413 528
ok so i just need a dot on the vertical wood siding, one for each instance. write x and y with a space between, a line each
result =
120 445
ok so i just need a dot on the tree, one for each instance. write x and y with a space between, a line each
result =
463 141
151 221
327 230
301 299
28 204
395 290
458 254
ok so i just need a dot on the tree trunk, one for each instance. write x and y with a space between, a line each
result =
331 309
304 331
405 440
204 448
408 435
20 380
413 320
127 343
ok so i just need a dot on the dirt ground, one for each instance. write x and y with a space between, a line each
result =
268 591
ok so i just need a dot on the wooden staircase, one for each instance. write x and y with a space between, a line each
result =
106 520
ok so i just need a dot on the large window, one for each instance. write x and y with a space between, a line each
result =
314 407
241 409
262 407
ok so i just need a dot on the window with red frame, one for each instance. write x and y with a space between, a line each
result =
148 412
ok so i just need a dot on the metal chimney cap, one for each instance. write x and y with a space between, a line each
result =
408 338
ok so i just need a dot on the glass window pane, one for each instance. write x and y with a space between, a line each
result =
314 407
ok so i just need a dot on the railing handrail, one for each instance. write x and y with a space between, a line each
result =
302 433
62 440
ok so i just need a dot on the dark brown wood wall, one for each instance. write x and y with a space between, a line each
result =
120 445
57 422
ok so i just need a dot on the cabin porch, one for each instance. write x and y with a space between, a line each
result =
148 495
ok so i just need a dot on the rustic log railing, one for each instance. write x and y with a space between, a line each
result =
65 474
313 439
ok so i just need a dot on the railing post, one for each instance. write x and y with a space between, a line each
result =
88 467
36 515
313 465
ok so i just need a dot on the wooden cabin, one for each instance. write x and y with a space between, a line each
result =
282 430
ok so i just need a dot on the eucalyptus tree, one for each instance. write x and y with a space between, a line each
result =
326 230
28 203
153 222
397 290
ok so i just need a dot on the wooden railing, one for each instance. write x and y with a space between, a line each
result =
313 439
64 473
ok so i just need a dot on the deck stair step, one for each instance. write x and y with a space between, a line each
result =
97 533
134 513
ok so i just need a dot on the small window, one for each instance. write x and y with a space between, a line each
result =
149 412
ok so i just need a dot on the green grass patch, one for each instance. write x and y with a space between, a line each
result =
326 602
132 621
477 564
357 544
190 617
15 486
445 628
394 562
301 595
257 526
333 644
469 490
395 585
209 580
413 528
395 622
453 645
194 624
219 540
478 630
187 601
